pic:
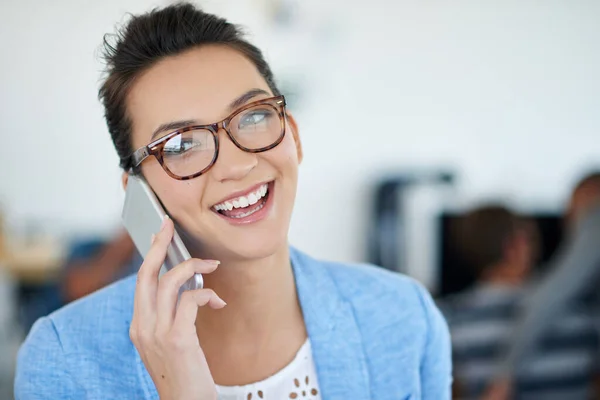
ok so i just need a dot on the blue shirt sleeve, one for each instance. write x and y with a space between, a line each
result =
42 367
436 363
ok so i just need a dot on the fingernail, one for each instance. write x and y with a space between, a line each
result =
164 223
223 304
152 238
216 262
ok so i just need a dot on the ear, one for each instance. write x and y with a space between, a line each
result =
124 179
294 128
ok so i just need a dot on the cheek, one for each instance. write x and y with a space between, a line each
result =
180 198
287 152
176 199
285 160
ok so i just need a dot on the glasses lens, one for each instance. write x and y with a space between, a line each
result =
257 127
189 152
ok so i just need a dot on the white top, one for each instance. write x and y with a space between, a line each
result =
297 380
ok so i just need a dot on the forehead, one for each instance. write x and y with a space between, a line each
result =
196 85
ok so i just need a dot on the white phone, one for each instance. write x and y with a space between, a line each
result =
142 216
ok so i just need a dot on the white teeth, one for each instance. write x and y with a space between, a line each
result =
242 215
243 201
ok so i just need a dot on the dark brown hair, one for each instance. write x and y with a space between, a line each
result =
153 36
483 234
591 179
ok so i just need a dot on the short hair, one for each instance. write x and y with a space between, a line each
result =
482 234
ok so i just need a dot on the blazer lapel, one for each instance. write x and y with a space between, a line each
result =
335 337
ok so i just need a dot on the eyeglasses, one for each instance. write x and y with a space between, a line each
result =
191 151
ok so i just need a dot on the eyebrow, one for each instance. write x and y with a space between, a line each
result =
250 94
171 126
238 102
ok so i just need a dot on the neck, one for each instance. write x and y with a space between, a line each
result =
504 273
261 300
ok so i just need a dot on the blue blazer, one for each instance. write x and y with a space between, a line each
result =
374 335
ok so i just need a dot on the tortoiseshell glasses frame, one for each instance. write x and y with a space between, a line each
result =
156 147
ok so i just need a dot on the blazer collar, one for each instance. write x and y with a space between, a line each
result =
336 341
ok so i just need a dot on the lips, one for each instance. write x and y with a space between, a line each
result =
244 201
251 206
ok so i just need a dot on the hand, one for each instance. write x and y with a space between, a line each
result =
163 332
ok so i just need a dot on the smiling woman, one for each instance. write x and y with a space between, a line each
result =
194 109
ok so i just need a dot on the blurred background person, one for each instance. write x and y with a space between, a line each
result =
572 281
90 264
502 247
96 263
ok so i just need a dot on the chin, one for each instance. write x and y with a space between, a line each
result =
258 234
235 245
255 247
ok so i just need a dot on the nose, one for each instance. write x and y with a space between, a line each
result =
232 163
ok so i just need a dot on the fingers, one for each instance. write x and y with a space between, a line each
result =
147 278
187 310
155 304
170 284
158 250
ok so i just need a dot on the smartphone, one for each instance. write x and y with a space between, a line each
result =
142 216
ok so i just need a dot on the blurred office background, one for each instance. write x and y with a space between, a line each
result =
447 103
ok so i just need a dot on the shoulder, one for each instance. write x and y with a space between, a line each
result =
482 302
383 297
380 297
357 281
64 347
371 287
103 316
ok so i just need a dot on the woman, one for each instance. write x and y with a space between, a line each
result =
293 326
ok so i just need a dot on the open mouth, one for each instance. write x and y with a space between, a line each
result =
245 208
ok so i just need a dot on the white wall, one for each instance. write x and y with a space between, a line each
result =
506 93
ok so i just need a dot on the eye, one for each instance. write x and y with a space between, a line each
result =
193 141
254 119
181 146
